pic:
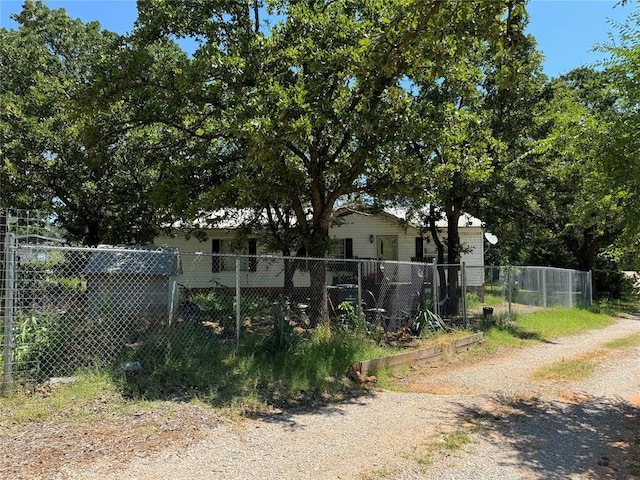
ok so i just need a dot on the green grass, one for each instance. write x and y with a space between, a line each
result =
447 442
89 396
575 369
493 299
626 342
284 369
456 440
192 368
560 322
544 325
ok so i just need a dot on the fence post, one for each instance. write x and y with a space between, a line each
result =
509 287
359 307
464 296
570 288
544 287
238 309
434 288
9 263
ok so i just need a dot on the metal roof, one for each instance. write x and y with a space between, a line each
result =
134 261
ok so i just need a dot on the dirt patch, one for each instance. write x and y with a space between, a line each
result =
40 450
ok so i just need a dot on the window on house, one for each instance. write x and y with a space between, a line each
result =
419 249
341 248
248 262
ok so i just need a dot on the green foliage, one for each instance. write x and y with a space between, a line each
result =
313 108
283 338
35 334
284 367
350 319
472 300
90 167
543 325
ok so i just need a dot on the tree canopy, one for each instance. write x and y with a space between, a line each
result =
319 101
63 151
289 108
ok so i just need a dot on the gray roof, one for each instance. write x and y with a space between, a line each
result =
134 261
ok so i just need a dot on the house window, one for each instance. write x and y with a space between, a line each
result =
248 261
419 249
341 248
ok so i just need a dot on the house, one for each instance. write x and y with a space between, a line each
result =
356 234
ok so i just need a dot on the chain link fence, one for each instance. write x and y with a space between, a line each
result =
511 288
66 308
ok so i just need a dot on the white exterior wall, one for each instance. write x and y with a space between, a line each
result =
198 273
472 239
359 227
197 269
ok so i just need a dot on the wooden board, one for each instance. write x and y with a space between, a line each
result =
418 357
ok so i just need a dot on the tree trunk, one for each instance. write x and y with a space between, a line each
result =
318 311
453 243
93 237
442 277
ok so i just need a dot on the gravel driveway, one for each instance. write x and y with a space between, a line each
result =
518 428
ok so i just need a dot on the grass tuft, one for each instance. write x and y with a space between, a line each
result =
626 342
572 370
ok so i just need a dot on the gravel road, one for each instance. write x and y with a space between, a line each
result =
517 428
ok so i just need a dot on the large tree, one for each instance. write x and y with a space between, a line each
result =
320 99
582 213
93 170
621 149
473 125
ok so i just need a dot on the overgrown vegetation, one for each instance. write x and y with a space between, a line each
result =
285 367
289 367
542 326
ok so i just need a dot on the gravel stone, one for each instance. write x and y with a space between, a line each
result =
517 427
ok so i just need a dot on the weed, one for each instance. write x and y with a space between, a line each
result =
450 441
378 474
283 338
456 440
472 300
626 342
567 370
350 319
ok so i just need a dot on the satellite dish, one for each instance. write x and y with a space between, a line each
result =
491 238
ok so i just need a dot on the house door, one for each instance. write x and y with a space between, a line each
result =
387 247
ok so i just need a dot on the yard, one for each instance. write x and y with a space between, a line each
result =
97 420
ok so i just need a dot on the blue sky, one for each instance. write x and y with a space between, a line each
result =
566 30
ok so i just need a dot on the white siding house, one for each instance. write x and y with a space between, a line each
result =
356 234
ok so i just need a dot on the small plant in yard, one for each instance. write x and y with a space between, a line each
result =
472 300
350 319
567 369
283 338
449 442
455 440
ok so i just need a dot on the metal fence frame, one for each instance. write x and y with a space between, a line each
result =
397 289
